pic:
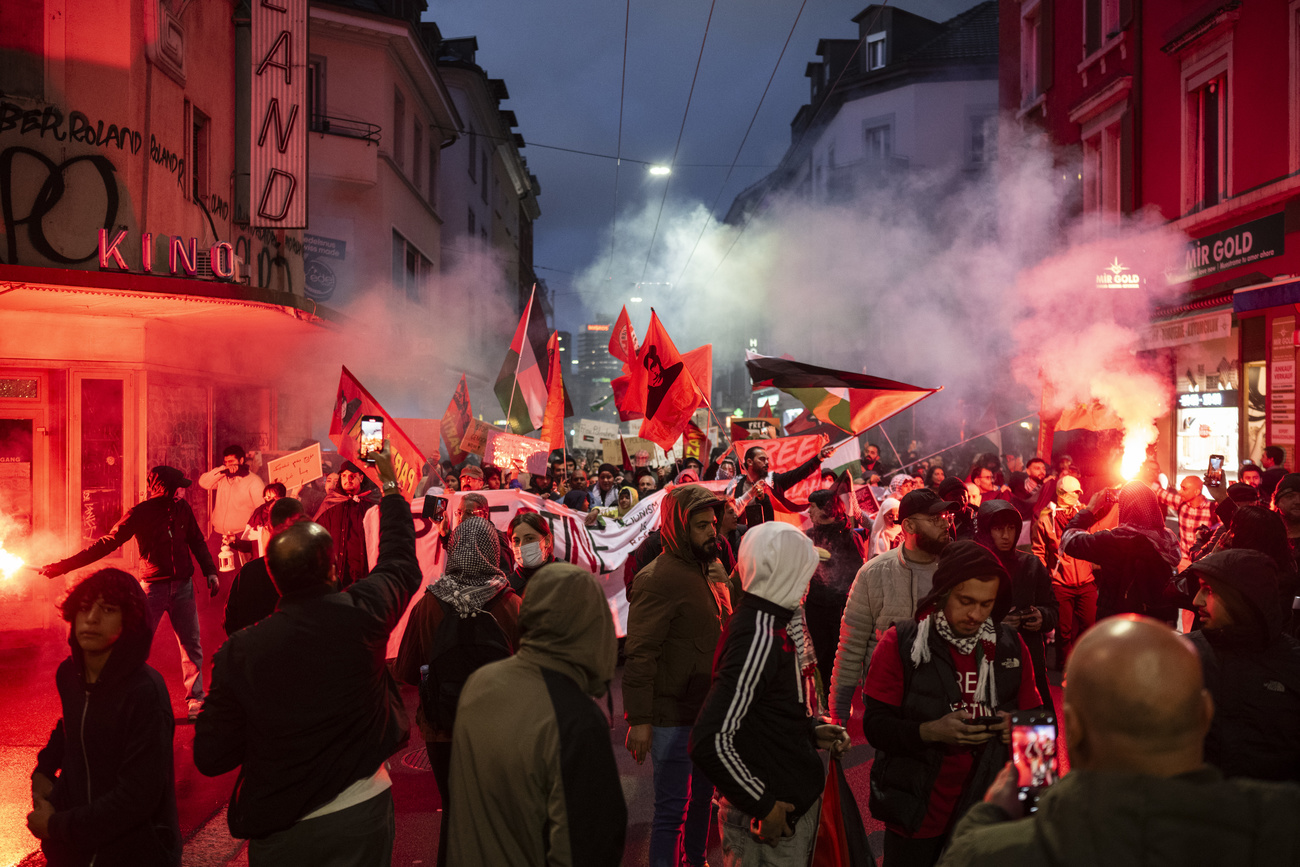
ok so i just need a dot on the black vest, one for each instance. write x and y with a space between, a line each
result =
901 782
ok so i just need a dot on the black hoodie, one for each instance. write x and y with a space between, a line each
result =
1252 669
115 792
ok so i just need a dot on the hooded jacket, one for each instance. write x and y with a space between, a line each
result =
302 702
675 618
343 515
1135 561
533 774
754 739
166 533
1095 817
111 758
831 582
1251 668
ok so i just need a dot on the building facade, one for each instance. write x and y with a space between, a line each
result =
1192 111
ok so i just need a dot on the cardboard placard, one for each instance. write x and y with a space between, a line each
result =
653 455
476 436
520 454
591 434
297 468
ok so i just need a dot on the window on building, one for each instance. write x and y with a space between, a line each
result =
417 165
1207 114
23 26
879 141
483 181
876 51
472 225
1100 24
473 155
200 133
399 129
981 139
433 176
1102 168
411 269
1035 48
316 93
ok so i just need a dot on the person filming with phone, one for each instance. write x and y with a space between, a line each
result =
938 695
341 515
1136 712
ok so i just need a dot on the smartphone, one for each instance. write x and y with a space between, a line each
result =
983 721
372 437
1214 475
435 508
1033 752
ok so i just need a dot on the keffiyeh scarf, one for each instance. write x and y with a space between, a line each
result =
473 576
983 644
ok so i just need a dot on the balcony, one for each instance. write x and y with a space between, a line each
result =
342 126
346 151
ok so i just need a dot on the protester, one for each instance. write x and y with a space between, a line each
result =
678 605
886 591
755 737
989 489
1137 559
963 516
1025 600
533 775
1138 792
1193 509
1073 582
829 591
471 478
258 530
871 462
886 531
1251 667
1249 474
533 544
252 593
931 676
1286 502
754 489
238 492
934 478
342 515
605 493
578 498
472 584
303 703
1274 471
166 534
104 788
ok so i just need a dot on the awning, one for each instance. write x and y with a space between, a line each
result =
1277 294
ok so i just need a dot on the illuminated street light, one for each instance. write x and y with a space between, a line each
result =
660 170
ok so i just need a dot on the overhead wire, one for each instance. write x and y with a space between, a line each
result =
685 114
721 189
807 130
622 90
597 154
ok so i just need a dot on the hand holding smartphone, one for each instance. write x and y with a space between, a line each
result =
372 437
1214 474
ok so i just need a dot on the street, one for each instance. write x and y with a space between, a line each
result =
31 709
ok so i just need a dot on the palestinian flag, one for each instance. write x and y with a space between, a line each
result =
852 402
521 384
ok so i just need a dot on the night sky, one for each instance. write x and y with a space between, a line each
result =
562 63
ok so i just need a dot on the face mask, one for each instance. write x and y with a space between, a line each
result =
531 555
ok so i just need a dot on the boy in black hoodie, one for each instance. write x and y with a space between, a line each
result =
104 788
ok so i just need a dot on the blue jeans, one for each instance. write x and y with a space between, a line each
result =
176 597
683 799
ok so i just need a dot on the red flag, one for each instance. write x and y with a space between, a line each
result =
841 837
455 420
765 411
699 361
622 343
695 444
553 419
670 392
627 462
350 404
629 401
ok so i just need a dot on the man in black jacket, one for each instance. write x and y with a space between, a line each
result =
1251 667
755 487
252 593
166 533
754 738
304 702
930 681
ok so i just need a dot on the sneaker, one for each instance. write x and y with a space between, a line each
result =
195 705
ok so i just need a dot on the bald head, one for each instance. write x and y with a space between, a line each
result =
300 558
1135 699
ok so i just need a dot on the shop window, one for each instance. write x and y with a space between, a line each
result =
21 389
102 450
399 130
876 51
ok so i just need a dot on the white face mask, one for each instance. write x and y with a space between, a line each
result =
531 555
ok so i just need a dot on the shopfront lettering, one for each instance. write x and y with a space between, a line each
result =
93 187
75 126
182 255
1250 242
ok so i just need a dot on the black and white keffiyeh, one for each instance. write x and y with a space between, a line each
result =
983 644
473 575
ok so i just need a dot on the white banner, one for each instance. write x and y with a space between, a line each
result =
602 552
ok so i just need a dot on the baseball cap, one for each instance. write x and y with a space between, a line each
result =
1068 485
472 471
170 476
923 502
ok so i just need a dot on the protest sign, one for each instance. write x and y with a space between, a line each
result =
517 453
296 468
591 434
476 436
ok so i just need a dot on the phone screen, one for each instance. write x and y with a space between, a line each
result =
1216 462
372 436
1033 751
434 507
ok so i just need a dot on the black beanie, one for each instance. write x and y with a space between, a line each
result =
951 487
959 562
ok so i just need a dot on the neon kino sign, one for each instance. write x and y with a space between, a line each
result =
182 257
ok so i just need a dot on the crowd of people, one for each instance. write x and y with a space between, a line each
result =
929 603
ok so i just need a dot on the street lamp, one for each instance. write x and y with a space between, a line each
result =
660 170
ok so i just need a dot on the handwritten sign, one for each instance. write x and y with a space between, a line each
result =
513 452
651 452
590 434
297 468
476 437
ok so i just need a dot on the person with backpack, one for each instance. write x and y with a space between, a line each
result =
447 638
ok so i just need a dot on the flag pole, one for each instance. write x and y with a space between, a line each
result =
968 439
510 410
